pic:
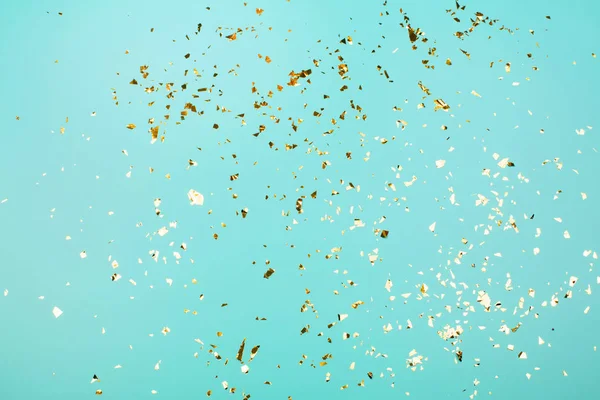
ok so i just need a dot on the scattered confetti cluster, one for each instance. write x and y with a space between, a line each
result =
297 200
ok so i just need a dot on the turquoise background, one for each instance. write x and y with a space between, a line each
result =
42 357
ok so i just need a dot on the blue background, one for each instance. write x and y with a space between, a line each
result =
58 66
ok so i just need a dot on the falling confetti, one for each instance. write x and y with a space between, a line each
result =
327 145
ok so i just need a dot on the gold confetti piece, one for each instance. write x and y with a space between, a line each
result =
154 133
240 353
131 126
440 105
412 34
254 351
268 274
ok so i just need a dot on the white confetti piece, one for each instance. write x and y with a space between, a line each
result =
57 312
196 198
388 285
573 280
503 163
